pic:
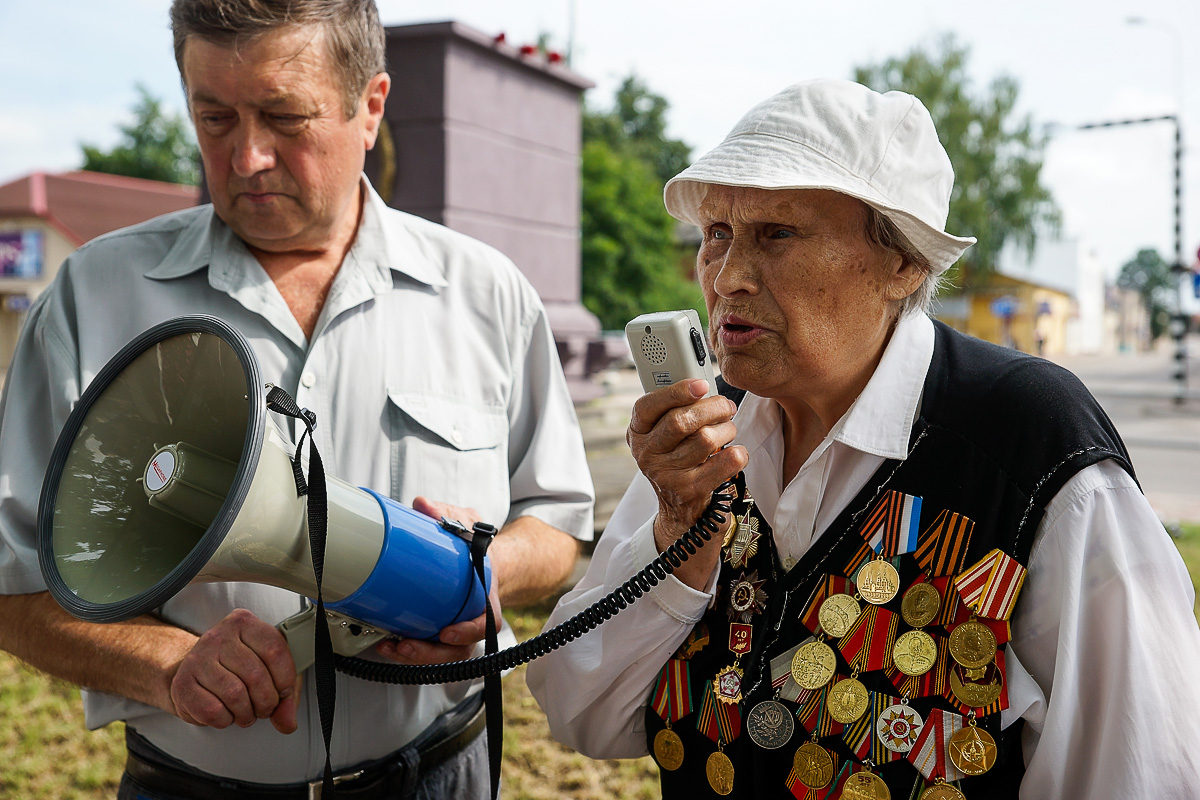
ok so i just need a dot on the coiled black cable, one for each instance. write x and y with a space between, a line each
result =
590 618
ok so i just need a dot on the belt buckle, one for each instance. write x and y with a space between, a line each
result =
315 787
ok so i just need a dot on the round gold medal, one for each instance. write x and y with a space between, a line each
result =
848 700
865 786
813 665
920 604
813 765
973 644
942 791
668 749
972 750
878 582
837 614
720 773
977 693
914 653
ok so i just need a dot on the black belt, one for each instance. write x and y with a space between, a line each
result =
448 736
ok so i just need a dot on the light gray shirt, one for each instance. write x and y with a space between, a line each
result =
432 371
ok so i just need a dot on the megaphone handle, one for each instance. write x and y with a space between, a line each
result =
482 535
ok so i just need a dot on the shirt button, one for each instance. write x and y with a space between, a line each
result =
456 436
308 380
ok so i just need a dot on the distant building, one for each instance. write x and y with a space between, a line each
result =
44 217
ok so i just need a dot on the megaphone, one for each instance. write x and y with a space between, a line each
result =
170 470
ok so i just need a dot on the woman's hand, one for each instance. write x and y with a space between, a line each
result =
676 436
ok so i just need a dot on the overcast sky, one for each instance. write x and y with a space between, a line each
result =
68 70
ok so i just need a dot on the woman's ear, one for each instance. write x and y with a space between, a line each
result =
904 277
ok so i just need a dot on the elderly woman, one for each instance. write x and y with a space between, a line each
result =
851 631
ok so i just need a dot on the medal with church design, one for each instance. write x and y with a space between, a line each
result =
878 581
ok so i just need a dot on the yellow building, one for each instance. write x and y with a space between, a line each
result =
1016 313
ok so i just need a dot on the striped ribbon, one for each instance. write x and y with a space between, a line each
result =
991 586
868 643
721 722
942 546
891 528
948 613
781 675
930 754
673 694
860 735
833 584
814 718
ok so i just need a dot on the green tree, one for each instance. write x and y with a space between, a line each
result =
630 259
998 195
1150 275
158 146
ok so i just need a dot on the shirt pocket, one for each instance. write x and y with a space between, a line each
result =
449 450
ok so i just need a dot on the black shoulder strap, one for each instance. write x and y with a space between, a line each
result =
725 389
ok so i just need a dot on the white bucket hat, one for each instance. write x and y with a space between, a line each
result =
833 134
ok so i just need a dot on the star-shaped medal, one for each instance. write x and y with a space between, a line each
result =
744 543
746 597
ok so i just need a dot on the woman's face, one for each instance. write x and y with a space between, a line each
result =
799 299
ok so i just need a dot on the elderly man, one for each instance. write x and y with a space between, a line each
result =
941 579
426 356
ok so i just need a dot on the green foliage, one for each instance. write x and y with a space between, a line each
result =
631 264
157 146
998 195
1150 275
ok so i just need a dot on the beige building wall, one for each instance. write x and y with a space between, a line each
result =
56 248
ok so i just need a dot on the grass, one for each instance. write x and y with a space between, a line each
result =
46 754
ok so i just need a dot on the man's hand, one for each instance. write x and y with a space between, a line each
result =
238 672
676 436
455 642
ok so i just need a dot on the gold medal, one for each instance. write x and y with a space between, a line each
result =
878 581
727 686
744 542
865 786
848 700
973 751
920 604
813 665
914 653
813 765
977 691
972 644
770 725
668 749
720 773
837 614
942 791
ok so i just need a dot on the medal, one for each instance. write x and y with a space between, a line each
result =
694 643
978 690
743 544
973 751
848 700
914 653
898 727
770 725
668 749
920 604
837 614
972 644
746 597
813 765
865 785
720 773
878 581
942 791
727 685
813 665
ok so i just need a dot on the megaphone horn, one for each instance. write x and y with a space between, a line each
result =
170 471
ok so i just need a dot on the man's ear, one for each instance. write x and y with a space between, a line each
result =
371 106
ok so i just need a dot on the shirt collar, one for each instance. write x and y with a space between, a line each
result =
880 420
377 249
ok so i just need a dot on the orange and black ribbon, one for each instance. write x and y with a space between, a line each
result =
721 722
942 546
868 644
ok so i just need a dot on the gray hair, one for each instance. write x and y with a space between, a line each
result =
883 233
353 32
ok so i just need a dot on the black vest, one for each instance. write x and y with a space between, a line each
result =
998 435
